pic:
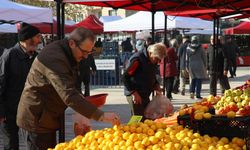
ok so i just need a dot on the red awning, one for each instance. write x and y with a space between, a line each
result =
243 28
45 28
92 23
207 14
163 5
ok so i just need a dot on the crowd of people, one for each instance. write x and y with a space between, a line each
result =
187 63
35 89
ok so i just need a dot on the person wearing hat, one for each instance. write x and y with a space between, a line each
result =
51 87
196 66
15 64
140 77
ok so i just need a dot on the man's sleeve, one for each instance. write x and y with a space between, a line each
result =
128 76
4 59
226 59
64 84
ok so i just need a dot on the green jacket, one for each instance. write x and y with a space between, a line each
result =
50 89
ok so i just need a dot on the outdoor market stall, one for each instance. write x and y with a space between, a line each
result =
11 12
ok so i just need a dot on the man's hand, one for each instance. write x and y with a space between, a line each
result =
2 119
111 118
137 98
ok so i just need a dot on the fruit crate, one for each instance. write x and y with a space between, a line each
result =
219 126
185 121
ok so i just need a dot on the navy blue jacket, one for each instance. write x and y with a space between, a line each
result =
144 78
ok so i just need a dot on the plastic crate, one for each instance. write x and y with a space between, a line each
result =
221 126
185 121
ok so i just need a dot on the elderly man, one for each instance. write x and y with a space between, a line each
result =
140 77
217 66
51 88
15 64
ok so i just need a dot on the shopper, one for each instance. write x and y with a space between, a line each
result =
217 66
182 63
233 52
87 68
15 64
171 67
51 87
140 77
196 66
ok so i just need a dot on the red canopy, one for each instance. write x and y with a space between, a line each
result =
207 14
92 23
163 5
46 27
243 28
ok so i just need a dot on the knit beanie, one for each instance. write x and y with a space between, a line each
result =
27 31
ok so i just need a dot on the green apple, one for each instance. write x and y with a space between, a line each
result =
237 99
247 98
238 92
210 98
239 105
228 93
242 96
229 99
244 103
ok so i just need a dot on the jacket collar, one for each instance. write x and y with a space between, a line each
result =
67 51
20 52
145 53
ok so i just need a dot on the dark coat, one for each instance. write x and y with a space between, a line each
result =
171 68
50 88
220 63
182 55
86 64
15 65
144 78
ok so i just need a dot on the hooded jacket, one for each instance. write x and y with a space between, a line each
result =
196 61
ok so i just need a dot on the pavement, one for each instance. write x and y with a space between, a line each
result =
116 102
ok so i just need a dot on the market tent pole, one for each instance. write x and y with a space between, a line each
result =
59 36
58 16
63 20
164 62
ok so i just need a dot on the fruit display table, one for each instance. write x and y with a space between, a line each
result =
215 123
149 135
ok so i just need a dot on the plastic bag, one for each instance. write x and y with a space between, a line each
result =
158 107
81 124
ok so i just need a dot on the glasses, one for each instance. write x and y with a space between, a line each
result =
84 51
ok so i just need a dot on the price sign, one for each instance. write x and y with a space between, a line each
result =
135 119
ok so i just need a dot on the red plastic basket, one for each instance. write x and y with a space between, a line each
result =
98 100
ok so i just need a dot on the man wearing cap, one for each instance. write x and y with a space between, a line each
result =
51 87
15 64
140 77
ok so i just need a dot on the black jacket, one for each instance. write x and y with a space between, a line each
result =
86 64
217 62
182 55
14 67
144 78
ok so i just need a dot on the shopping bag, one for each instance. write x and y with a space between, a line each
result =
81 124
158 107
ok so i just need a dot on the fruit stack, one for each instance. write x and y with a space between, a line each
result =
149 135
231 113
